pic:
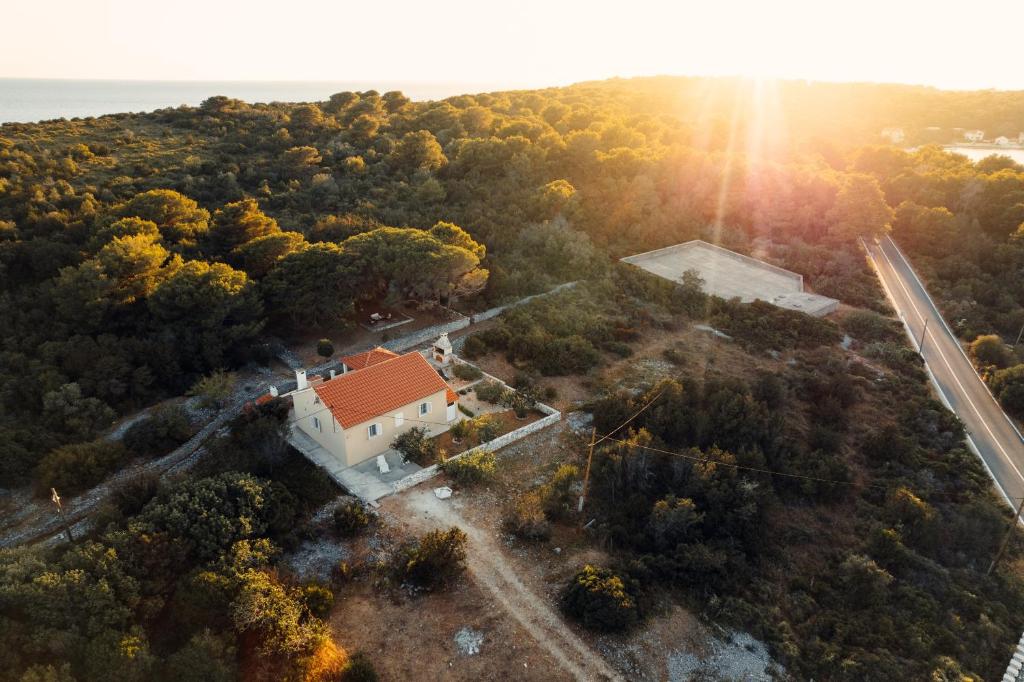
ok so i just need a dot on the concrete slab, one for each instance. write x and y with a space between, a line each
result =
732 275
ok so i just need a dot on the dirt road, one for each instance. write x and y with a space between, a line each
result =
490 568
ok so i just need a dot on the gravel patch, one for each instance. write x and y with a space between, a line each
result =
316 559
468 641
741 658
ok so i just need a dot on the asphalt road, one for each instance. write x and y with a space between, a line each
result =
990 432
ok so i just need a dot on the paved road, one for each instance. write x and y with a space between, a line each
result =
990 432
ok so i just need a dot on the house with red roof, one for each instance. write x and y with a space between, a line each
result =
356 415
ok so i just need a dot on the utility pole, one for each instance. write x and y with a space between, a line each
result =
55 498
1006 538
920 344
1019 334
586 473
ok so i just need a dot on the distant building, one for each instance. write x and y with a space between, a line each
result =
974 135
893 135
1002 141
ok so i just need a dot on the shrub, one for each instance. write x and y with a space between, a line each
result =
324 348
467 372
1008 387
359 669
525 517
519 401
350 518
869 327
556 495
466 411
214 389
159 433
674 355
471 468
490 392
474 347
79 466
486 428
317 599
569 355
416 447
600 599
434 561
990 350
461 430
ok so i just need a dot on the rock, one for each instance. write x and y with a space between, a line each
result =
468 641
558 550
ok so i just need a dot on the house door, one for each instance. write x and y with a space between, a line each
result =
453 411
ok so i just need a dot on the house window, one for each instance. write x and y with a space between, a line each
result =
399 419
374 430
316 424
424 408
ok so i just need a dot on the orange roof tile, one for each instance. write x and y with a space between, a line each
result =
360 396
451 396
370 358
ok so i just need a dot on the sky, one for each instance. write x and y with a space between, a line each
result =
515 44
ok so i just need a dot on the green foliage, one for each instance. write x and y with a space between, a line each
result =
317 599
213 390
158 433
79 466
471 468
359 669
601 599
490 392
1008 387
525 517
989 350
869 327
434 561
557 495
206 657
416 446
324 348
467 372
350 519
486 428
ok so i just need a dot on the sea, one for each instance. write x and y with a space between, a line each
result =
979 153
31 100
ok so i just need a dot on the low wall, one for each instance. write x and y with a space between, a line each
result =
427 473
498 310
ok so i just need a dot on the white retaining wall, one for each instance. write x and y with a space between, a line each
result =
429 472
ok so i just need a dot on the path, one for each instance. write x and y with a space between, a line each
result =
990 433
491 570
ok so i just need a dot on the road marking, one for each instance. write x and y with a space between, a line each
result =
952 372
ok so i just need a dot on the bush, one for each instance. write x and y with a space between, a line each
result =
77 467
1008 387
600 599
434 561
474 347
990 350
359 669
214 389
490 392
557 495
466 411
486 428
467 372
471 468
461 430
159 433
350 518
525 517
416 447
867 326
519 401
318 599
324 348
674 355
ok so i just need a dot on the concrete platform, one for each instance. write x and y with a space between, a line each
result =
732 275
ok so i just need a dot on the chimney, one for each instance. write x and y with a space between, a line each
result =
300 379
332 373
273 391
